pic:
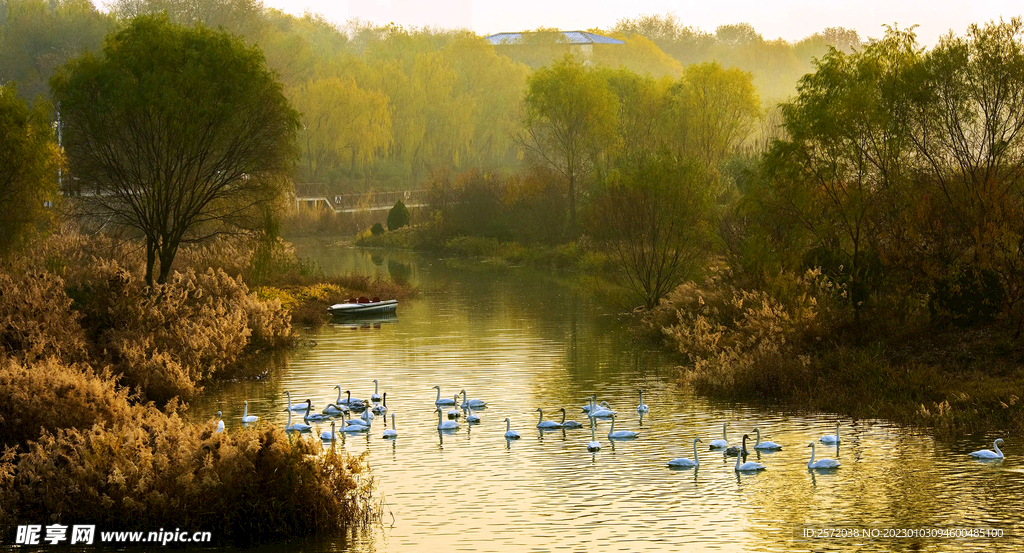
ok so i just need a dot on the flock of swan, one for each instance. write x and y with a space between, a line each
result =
345 408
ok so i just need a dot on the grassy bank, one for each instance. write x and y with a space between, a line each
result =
802 348
579 255
95 367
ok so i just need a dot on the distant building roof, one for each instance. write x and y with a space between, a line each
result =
571 37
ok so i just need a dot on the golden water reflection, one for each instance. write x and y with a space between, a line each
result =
521 340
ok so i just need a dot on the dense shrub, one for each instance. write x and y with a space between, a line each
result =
166 341
48 395
398 216
377 229
970 298
729 333
155 470
36 320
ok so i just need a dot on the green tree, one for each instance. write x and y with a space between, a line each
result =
655 217
341 124
571 117
839 175
29 160
179 133
715 110
398 216
37 36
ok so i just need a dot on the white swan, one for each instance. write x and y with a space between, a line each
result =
336 408
246 417
220 422
749 466
355 404
543 424
297 427
509 433
443 424
720 444
383 407
821 463
363 420
621 434
478 403
603 411
831 438
442 402
594 445
570 423
642 409
988 453
354 427
328 436
590 405
683 462
391 433
470 417
315 417
293 406
765 445
454 414
375 396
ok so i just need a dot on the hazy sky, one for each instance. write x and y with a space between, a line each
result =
788 19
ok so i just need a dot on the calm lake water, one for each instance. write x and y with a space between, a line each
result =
522 339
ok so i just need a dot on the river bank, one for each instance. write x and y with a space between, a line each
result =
97 369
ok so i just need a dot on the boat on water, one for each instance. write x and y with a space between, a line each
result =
363 306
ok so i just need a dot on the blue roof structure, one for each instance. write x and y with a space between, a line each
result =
571 37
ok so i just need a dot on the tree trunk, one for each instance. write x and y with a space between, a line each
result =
150 260
167 253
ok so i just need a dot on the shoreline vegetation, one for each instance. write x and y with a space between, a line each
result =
95 368
796 347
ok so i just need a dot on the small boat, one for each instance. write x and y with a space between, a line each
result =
363 306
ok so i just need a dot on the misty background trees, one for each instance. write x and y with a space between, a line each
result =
894 167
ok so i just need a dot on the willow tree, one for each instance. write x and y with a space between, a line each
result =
571 118
28 167
180 133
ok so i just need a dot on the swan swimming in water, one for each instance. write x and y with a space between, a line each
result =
391 433
375 396
543 424
765 445
988 453
642 409
333 409
454 414
350 427
821 463
293 406
683 462
509 433
443 424
594 445
442 402
297 427
831 438
478 403
383 407
749 466
720 444
220 422
315 417
246 417
328 436
570 423
620 434
603 411
470 417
